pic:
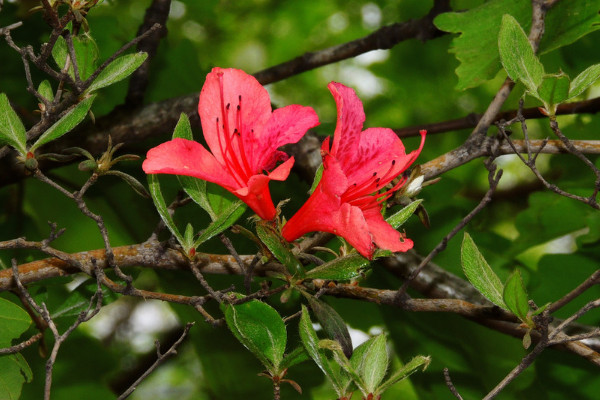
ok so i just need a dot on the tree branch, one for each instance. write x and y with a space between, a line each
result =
157 13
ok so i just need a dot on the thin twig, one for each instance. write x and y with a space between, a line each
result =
159 360
523 365
451 385
23 345
585 285
493 179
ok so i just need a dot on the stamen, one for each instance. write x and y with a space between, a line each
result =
360 193
228 163
240 138
229 154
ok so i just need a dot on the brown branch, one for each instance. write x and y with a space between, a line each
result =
148 254
590 106
384 38
588 283
157 13
466 301
21 346
487 315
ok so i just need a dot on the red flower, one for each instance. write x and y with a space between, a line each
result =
348 199
243 136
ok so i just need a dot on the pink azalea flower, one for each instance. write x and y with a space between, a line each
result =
243 136
348 199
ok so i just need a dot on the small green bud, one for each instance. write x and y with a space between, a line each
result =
31 164
88 165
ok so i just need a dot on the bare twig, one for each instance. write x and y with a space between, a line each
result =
531 158
161 357
589 306
451 385
523 365
588 283
23 345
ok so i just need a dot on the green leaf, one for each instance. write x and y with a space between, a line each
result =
45 89
118 69
161 207
331 322
515 296
584 80
219 198
14 373
553 91
397 219
479 273
568 21
12 131
86 52
541 309
310 341
196 189
341 269
370 361
517 55
279 247
297 356
131 181
188 238
260 329
13 322
404 372
476 46
60 52
224 220
318 176
64 125
183 129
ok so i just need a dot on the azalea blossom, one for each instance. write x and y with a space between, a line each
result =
348 199
243 135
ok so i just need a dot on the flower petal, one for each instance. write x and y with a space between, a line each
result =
384 236
324 212
258 197
187 157
282 171
350 119
380 151
227 86
286 125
